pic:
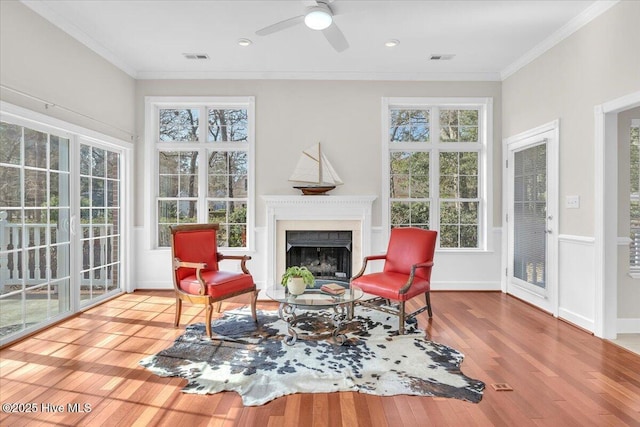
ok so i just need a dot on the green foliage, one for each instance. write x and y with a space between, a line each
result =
296 271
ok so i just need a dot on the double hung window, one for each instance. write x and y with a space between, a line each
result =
435 157
203 163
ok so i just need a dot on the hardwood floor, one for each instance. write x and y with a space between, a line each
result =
560 375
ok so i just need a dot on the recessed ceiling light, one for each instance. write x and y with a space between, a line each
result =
195 55
392 43
244 42
441 56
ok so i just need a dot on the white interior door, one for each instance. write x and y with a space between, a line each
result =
532 217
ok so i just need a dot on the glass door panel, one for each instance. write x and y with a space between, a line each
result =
529 208
99 222
34 228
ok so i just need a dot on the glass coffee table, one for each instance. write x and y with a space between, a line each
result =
309 305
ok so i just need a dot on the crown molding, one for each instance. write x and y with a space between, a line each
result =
313 75
588 15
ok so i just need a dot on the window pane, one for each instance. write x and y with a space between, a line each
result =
458 175
414 214
178 174
227 125
10 189
409 174
35 148
459 224
85 160
10 137
228 174
35 188
458 125
99 160
409 126
59 153
400 213
113 165
179 125
232 219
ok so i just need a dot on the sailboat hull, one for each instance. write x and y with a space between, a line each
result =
314 190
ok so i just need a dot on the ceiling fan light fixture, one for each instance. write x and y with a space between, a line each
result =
318 18
244 42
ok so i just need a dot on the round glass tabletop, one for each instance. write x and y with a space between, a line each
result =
316 297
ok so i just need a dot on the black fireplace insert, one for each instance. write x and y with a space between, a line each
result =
326 253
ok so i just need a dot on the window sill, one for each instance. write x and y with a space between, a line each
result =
634 274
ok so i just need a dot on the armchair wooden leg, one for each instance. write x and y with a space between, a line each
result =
428 299
219 306
209 312
178 311
401 316
254 299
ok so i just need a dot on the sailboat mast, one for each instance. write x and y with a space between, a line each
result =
320 180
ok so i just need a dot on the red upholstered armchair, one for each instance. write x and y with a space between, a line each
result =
196 277
406 273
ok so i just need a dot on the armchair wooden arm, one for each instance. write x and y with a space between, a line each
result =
199 266
242 258
405 288
365 261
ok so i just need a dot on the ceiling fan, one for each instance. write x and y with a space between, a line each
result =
319 18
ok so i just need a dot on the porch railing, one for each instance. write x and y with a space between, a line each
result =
18 266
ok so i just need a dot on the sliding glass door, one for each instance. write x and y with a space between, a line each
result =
61 224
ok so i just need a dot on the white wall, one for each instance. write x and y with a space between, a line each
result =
598 63
346 117
40 60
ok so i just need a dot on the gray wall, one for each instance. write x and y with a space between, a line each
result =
596 64
39 59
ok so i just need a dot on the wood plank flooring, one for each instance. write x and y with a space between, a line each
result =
560 375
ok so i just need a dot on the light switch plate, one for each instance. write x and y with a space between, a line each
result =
573 202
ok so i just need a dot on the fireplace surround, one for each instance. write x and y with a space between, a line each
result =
314 213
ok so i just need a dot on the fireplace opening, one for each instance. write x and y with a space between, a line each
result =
327 254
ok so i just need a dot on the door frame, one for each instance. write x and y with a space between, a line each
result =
606 213
552 129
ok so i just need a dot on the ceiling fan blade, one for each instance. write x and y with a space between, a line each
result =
335 37
282 25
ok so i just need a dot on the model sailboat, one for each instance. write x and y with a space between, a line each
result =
314 168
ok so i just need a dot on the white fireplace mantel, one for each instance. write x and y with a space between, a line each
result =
315 211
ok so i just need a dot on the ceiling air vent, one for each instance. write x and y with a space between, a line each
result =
195 55
441 56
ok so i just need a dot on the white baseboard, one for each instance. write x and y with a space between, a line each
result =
465 286
576 319
628 326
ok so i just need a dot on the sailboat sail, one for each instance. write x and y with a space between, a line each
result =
314 167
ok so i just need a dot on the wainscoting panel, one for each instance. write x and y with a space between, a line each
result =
576 280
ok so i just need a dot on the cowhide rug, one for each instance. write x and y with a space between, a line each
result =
255 363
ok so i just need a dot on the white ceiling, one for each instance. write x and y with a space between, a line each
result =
490 39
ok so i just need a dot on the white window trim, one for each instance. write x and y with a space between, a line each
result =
485 172
152 104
